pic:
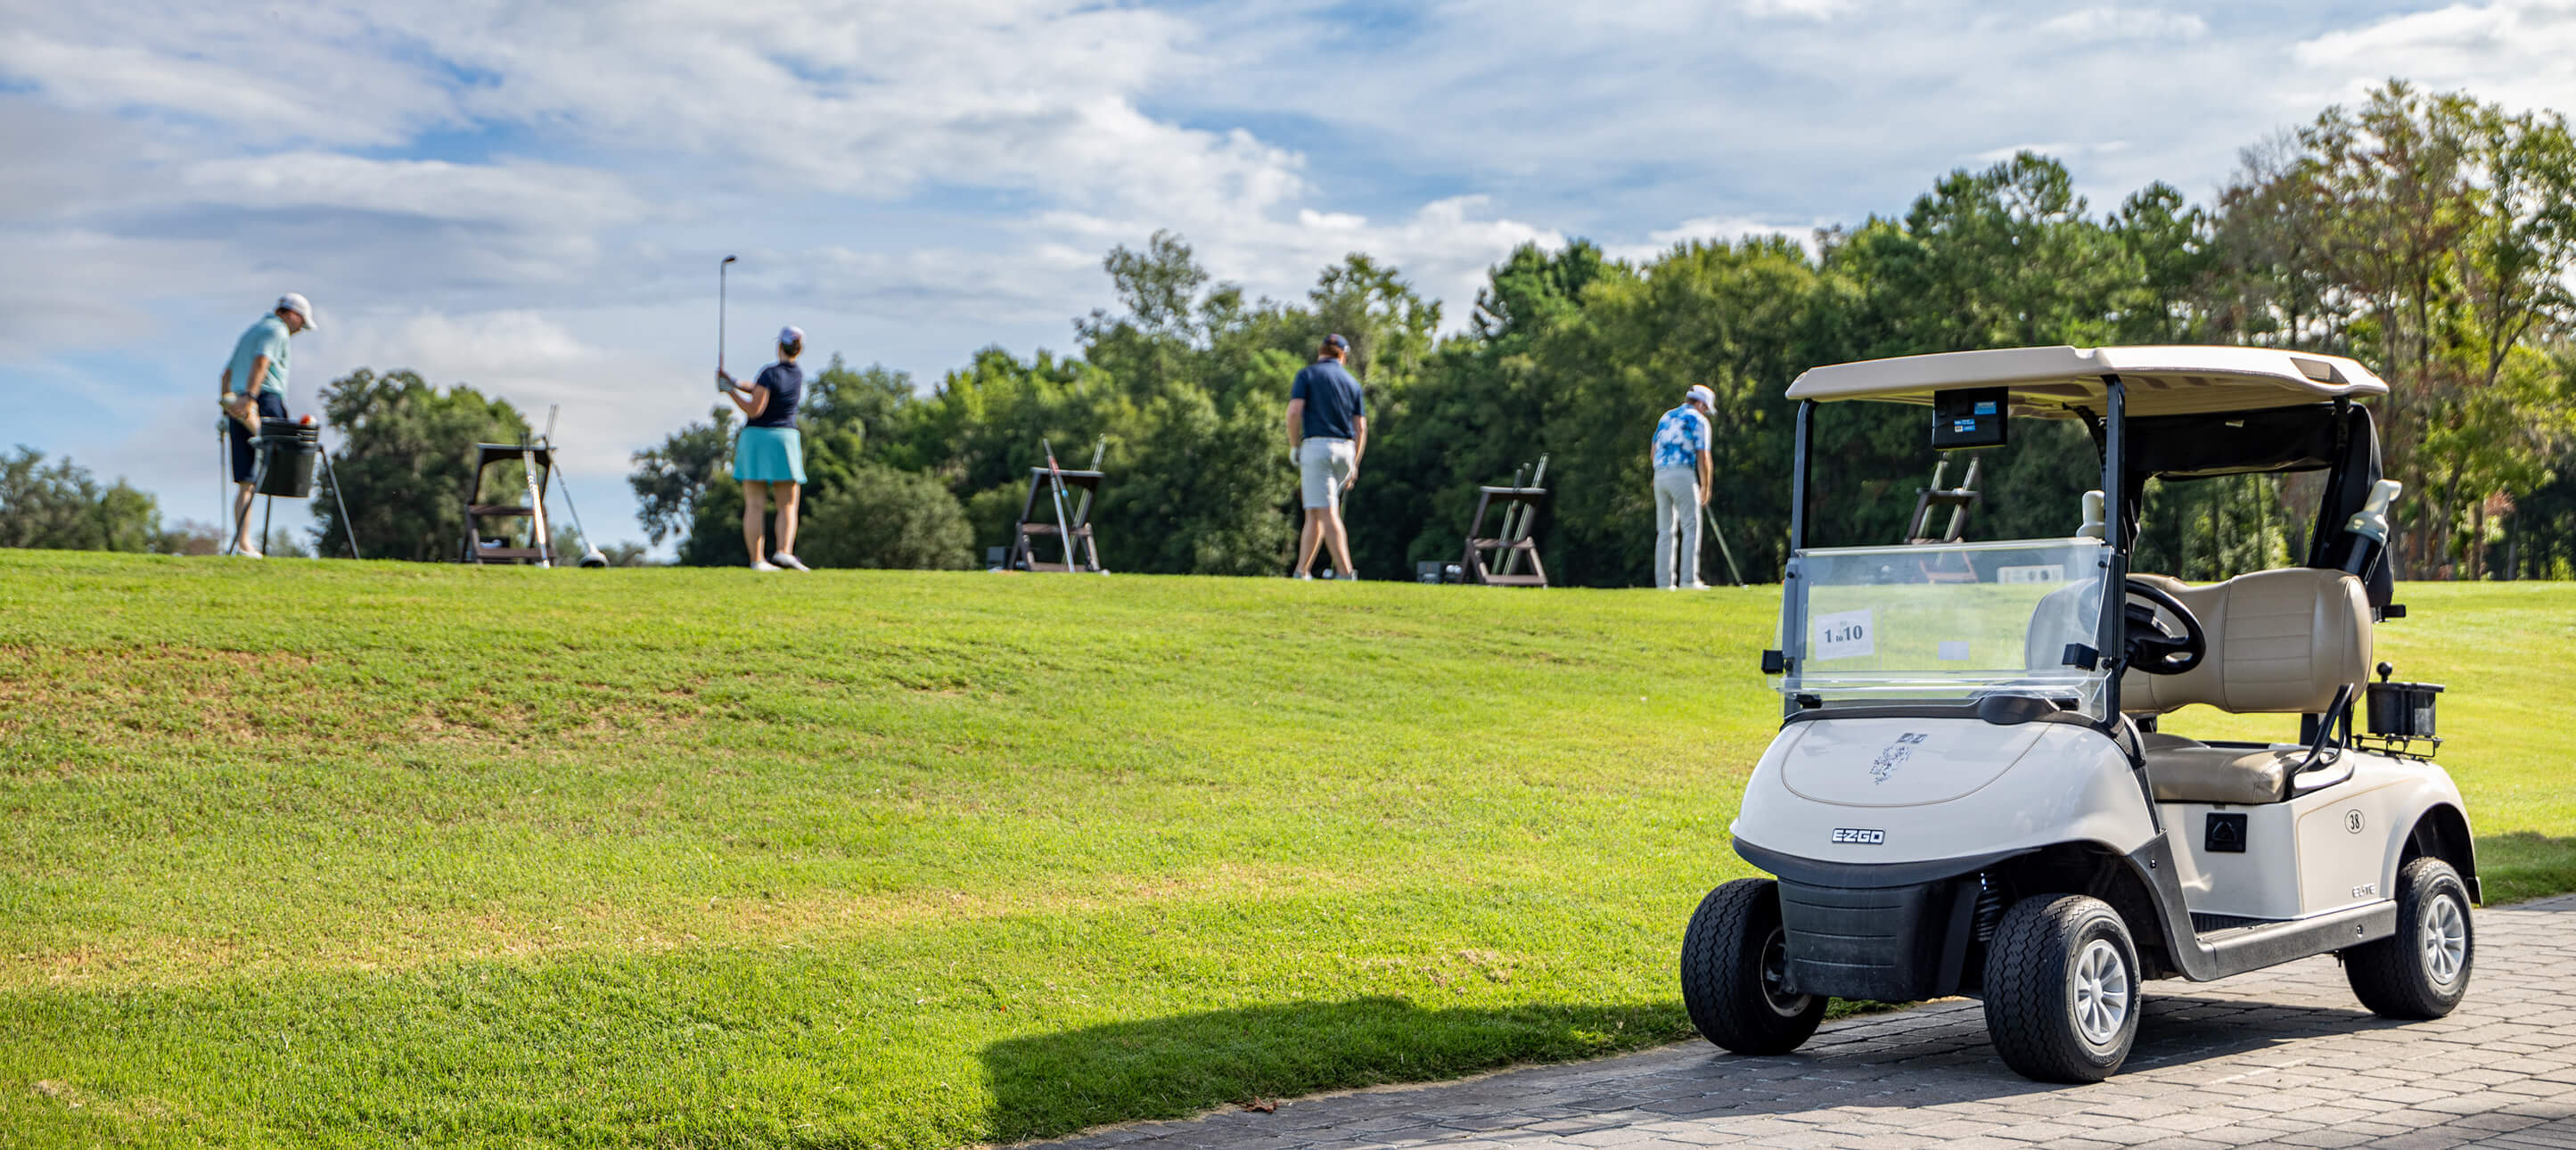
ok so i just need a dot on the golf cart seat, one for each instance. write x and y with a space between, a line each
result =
2190 771
2279 641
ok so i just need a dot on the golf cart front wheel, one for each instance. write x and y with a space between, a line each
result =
1735 967
2062 989
2422 970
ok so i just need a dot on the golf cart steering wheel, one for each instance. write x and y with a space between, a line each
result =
2154 648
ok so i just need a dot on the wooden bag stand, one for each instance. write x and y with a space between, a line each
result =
1037 520
1936 498
477 511
1929 501
1520 510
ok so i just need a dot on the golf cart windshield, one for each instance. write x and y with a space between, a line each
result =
1944 621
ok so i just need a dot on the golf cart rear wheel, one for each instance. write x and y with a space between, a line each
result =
2062 989
2422 970
1735 967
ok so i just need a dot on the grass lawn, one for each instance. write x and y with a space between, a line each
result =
335 853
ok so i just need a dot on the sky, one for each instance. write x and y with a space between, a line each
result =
533 198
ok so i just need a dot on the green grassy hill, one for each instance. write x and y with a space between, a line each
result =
344 854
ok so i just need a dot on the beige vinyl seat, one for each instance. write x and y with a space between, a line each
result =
2279 642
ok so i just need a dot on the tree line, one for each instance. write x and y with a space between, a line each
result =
2429 235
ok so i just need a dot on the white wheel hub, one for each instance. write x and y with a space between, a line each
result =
2444 939
2102 992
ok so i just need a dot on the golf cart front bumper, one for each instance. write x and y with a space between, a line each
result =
1896 932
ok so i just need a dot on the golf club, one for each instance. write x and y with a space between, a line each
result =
224 491
1063 532
1722 548
721 267
591 556
537 495
1082 511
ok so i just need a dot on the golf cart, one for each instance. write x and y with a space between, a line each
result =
1970 793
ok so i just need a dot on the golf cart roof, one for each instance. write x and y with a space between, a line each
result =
2055 381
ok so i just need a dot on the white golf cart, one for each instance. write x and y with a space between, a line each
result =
1970 794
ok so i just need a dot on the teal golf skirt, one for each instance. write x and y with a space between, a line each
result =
769 455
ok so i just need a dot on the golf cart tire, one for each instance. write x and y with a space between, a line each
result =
1733 933
2395 976
2032 1002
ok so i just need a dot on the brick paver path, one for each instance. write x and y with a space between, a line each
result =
2282 1057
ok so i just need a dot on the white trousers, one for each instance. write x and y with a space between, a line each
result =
1676 520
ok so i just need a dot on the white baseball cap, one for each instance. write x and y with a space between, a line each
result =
792 335
297 304
1701 393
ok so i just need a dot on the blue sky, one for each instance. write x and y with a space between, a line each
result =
532 197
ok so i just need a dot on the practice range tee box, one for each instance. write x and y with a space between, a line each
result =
1973 417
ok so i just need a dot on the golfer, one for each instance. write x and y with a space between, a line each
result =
1681 488
1327 434
768 453
254 389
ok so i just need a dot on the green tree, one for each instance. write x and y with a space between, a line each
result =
881 516
405 463
63 507
671 480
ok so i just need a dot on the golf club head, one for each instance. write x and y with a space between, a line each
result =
590 557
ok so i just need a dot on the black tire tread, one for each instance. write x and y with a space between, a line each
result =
2025 971
2387 974
1722 977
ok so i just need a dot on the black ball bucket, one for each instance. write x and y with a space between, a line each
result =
289 451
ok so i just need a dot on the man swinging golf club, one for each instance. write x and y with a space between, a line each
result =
1327 434
254 389
1681 487
769 453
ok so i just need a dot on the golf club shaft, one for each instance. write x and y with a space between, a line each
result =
1722 548
1082 512
721 269
536 505
1064 532
224 498
1505 558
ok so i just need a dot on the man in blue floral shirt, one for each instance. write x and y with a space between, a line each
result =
1681 488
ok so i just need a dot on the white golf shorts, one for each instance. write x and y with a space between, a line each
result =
1325 465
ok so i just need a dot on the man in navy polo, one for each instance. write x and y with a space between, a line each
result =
1327 434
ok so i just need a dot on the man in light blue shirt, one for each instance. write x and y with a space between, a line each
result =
1681 488
254 389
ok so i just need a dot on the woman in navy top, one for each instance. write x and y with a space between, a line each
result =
769 454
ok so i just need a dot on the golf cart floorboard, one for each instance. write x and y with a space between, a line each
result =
2238 949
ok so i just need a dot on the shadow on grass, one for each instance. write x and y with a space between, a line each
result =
1058 1084
2525 865
1053 1084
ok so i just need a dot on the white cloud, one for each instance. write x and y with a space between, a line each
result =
530 196
2107 23
612 399
2062 150
2521 52
321 78
1716 228
1808 9
513 193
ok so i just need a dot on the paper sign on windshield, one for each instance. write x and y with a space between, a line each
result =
1846 634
